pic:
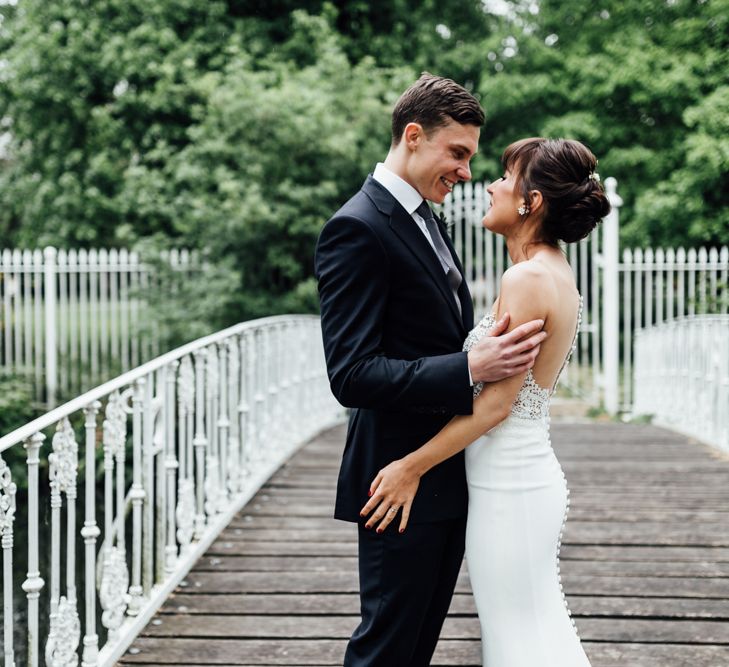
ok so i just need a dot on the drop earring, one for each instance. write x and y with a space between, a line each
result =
523 210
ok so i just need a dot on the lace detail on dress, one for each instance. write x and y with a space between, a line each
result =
532 401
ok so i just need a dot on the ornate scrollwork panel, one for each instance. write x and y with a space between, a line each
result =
7 500
113 592
64 636
115 425
63 461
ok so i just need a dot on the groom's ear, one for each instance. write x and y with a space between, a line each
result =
412 135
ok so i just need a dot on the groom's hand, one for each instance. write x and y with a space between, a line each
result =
499 355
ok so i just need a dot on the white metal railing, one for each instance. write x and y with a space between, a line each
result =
665 284
682 376
68 317
648 286
204 425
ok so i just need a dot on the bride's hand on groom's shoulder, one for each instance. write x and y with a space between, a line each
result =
501 355
391 496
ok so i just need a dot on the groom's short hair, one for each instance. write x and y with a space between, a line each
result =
432 101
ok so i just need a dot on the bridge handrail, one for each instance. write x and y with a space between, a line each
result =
205 426
682 376
74 405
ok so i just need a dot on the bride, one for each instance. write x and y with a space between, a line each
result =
518 497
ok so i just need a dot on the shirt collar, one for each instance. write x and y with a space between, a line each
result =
406 195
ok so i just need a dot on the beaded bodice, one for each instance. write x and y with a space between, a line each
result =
532 401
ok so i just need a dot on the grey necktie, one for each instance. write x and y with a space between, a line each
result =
441 249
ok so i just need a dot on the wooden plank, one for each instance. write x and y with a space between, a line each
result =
454 652
347 582
656 655
327 563
341 627
462 604
576 532
263 548
288 519
652 554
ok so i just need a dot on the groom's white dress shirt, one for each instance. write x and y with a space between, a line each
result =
406 195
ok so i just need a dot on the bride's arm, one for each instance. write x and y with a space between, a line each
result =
397 483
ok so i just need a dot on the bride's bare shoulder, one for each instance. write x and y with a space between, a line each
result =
530 278
526 292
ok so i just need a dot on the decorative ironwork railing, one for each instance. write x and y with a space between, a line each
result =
184 442
682 376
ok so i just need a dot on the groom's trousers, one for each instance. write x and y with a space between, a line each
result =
406 585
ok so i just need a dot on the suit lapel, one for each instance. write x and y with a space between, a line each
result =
403 225
407 229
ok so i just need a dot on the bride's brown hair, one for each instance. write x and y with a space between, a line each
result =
563 170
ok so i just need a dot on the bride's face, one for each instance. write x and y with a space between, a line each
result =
502 215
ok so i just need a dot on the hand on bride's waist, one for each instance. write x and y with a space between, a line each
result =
391 495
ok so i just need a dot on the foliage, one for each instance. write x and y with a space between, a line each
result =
90 91
642 83
179 302
17 405
237 127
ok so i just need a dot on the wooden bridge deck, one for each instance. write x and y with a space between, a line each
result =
645 563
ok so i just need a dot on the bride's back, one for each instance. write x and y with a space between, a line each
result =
553 287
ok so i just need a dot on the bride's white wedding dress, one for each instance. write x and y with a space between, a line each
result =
518 501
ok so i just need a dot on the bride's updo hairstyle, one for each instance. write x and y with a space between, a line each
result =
563 170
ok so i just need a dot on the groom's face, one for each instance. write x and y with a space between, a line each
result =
439 161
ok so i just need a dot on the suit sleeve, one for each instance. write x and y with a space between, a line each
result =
352 269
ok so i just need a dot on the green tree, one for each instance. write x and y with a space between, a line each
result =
642 83
278 148
89 90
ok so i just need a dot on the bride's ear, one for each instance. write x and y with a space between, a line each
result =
535 201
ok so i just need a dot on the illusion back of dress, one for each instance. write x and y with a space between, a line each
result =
518 501
532 401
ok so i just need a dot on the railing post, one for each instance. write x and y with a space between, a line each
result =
138 494
170 463
200 443
610 299
33 584
7 517
50 278
90 532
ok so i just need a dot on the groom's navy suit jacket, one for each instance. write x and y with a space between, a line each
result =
392 337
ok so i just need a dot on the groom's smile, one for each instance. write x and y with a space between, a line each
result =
440 159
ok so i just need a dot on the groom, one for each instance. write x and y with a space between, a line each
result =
395 311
